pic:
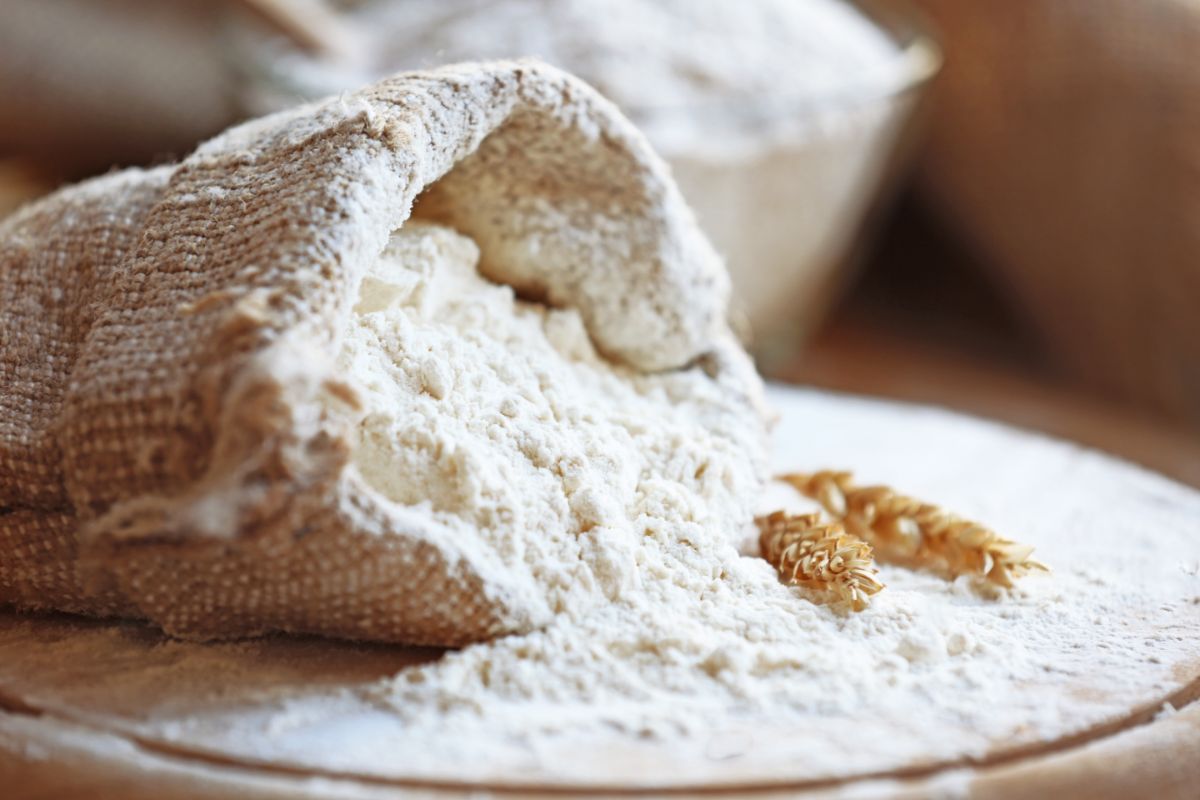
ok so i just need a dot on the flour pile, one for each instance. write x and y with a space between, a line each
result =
511 404
713 669
497 419
682 69
513 408
697 645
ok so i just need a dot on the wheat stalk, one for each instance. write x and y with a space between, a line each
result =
909 532
819 556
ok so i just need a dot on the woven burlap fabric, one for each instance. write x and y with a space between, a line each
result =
170 442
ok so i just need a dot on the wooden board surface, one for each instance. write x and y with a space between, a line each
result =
103 703
858 354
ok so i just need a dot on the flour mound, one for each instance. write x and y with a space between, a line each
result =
497 419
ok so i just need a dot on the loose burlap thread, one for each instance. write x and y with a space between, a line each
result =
169 442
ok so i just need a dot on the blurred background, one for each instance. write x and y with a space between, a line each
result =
991 206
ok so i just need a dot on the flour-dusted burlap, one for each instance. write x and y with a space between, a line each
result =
167 444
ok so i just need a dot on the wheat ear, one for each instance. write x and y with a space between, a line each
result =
819 556
909 532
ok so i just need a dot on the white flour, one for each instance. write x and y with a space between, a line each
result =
681 69
497 418
664 633
693 678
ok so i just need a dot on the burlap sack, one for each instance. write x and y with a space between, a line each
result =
166 445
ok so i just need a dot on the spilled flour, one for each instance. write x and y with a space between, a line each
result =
663 632
497 420
694 677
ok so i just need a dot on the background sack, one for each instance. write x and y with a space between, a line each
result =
1065 142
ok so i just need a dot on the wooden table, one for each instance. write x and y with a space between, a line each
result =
863 359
